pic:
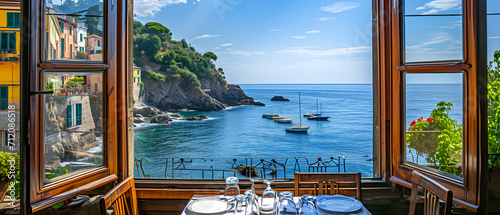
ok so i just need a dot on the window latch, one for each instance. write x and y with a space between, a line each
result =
42 92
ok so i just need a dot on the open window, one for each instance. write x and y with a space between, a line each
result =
75 97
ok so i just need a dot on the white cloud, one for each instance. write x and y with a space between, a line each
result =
216 48
226 44
436 40
340 6
326 18
144 8
273 29
298 37
307 50
494 37
432 11
312 32
246 53
207 36
436 6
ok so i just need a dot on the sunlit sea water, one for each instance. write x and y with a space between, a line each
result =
240 132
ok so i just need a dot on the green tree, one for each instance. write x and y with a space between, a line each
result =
155 28
151 45
494 110
210 55
184 44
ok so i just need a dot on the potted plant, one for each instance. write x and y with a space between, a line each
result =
438 138
9 166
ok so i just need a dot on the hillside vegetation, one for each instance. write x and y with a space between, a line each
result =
177 59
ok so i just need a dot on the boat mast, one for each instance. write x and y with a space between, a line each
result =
300 111
317 105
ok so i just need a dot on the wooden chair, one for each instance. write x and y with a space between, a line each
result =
122 198
326 183
433 193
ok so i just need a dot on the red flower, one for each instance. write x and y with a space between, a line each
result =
421 118
413 123
430 119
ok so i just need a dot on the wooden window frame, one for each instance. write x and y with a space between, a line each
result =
473 187
36 196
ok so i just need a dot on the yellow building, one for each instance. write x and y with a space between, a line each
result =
137 74
10 46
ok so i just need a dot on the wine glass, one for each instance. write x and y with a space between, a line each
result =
268 202
252 205
286 203
308 205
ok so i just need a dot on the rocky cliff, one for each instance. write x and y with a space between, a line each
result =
170 96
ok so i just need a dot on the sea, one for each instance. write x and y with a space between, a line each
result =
239 136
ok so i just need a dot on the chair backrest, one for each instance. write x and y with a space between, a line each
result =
326 183
433 193
122 197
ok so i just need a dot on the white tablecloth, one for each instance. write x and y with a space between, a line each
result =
362 211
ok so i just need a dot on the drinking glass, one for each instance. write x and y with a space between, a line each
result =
232 187
240 200
268 202
308 205
252 205
286 204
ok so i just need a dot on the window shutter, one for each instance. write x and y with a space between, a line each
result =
70 115
4 97
17 19
78 113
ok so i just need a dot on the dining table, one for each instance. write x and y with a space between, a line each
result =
361 211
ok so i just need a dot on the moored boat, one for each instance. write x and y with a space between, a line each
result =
298 127
269 115
286 121
276 117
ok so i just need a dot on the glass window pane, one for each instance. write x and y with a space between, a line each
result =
436 7
434 121
493 6
431 38
493 86
64 17
72 124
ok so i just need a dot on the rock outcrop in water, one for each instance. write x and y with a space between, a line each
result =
280 98
162 119
170 96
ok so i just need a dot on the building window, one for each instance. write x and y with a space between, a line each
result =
98 43
61 25
69 29
62 47
4 98
13 19
81 37
74 114
8 41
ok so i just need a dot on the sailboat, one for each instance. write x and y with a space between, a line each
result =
298 127
320 116
312 114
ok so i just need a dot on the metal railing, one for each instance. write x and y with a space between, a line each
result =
260 167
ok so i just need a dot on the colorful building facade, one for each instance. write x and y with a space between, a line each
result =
137 74
67 47
9 56
93 47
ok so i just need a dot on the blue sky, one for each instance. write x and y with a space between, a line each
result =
314 41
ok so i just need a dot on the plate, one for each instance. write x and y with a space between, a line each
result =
338 204
208 206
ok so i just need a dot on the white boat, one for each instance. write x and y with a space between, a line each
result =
298 127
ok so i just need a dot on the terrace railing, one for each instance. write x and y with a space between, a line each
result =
254 167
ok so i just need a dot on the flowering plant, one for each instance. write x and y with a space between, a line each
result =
438 138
